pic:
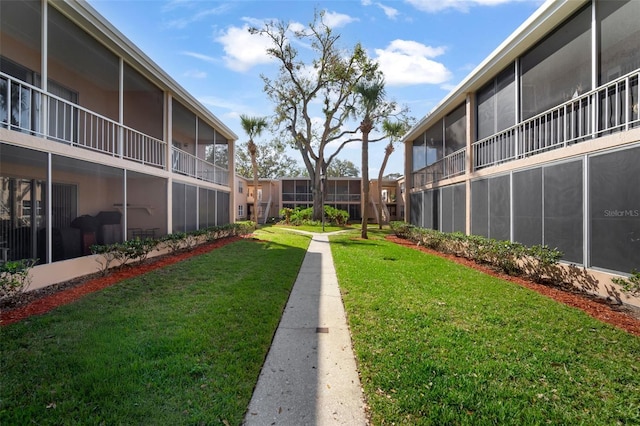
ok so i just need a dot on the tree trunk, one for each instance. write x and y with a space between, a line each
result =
254 166
365 178
318 191
387 153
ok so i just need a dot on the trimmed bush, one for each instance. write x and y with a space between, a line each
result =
336 216
629 285
298 216
14 276
137 250
538 263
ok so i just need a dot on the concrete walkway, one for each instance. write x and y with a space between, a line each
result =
310 375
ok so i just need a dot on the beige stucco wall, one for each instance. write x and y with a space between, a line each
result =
20 52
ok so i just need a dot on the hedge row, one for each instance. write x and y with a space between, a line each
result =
300 216
137 250
538 263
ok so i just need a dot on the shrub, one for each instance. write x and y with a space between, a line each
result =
190 239
107 255
241 228
174 242
630 285
14 277
336 216
402 229
287 213
137 250
302 216
506 255
298 216
537 262
540 262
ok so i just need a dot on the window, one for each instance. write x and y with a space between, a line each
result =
26 208
619 54
496 104
455 130
240 210
559 67
619 38
434 139
240 187
419 153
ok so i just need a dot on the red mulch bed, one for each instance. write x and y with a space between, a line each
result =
597 307
41 301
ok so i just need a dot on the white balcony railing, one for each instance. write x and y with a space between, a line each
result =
189 165
450 166
610 108
27 109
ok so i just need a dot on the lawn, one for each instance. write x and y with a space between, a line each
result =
316 228
180 345
440 343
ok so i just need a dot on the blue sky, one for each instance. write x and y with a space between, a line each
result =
424 47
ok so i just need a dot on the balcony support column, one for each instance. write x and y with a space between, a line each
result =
594 70
470 137
125 210
45 69
121 107
48 200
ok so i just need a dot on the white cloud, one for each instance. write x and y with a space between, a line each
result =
200 56
195 74
406 62
217 102
389 11
448 87
243 50
337 20
184 22
461 5
296 27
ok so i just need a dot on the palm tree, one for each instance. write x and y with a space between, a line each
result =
371 95
253 126
394 131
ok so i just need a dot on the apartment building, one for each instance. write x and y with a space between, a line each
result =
540 144
97 143
343 193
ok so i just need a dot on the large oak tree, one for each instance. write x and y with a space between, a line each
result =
315 99
272 158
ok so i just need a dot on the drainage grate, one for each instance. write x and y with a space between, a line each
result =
322 329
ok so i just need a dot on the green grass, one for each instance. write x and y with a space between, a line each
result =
180 345
439 343
316 228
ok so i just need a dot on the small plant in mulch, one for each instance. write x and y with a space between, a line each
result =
14 277
108 254
174 242
630 285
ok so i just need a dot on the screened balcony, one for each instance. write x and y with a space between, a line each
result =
450 166
611 108
28 109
